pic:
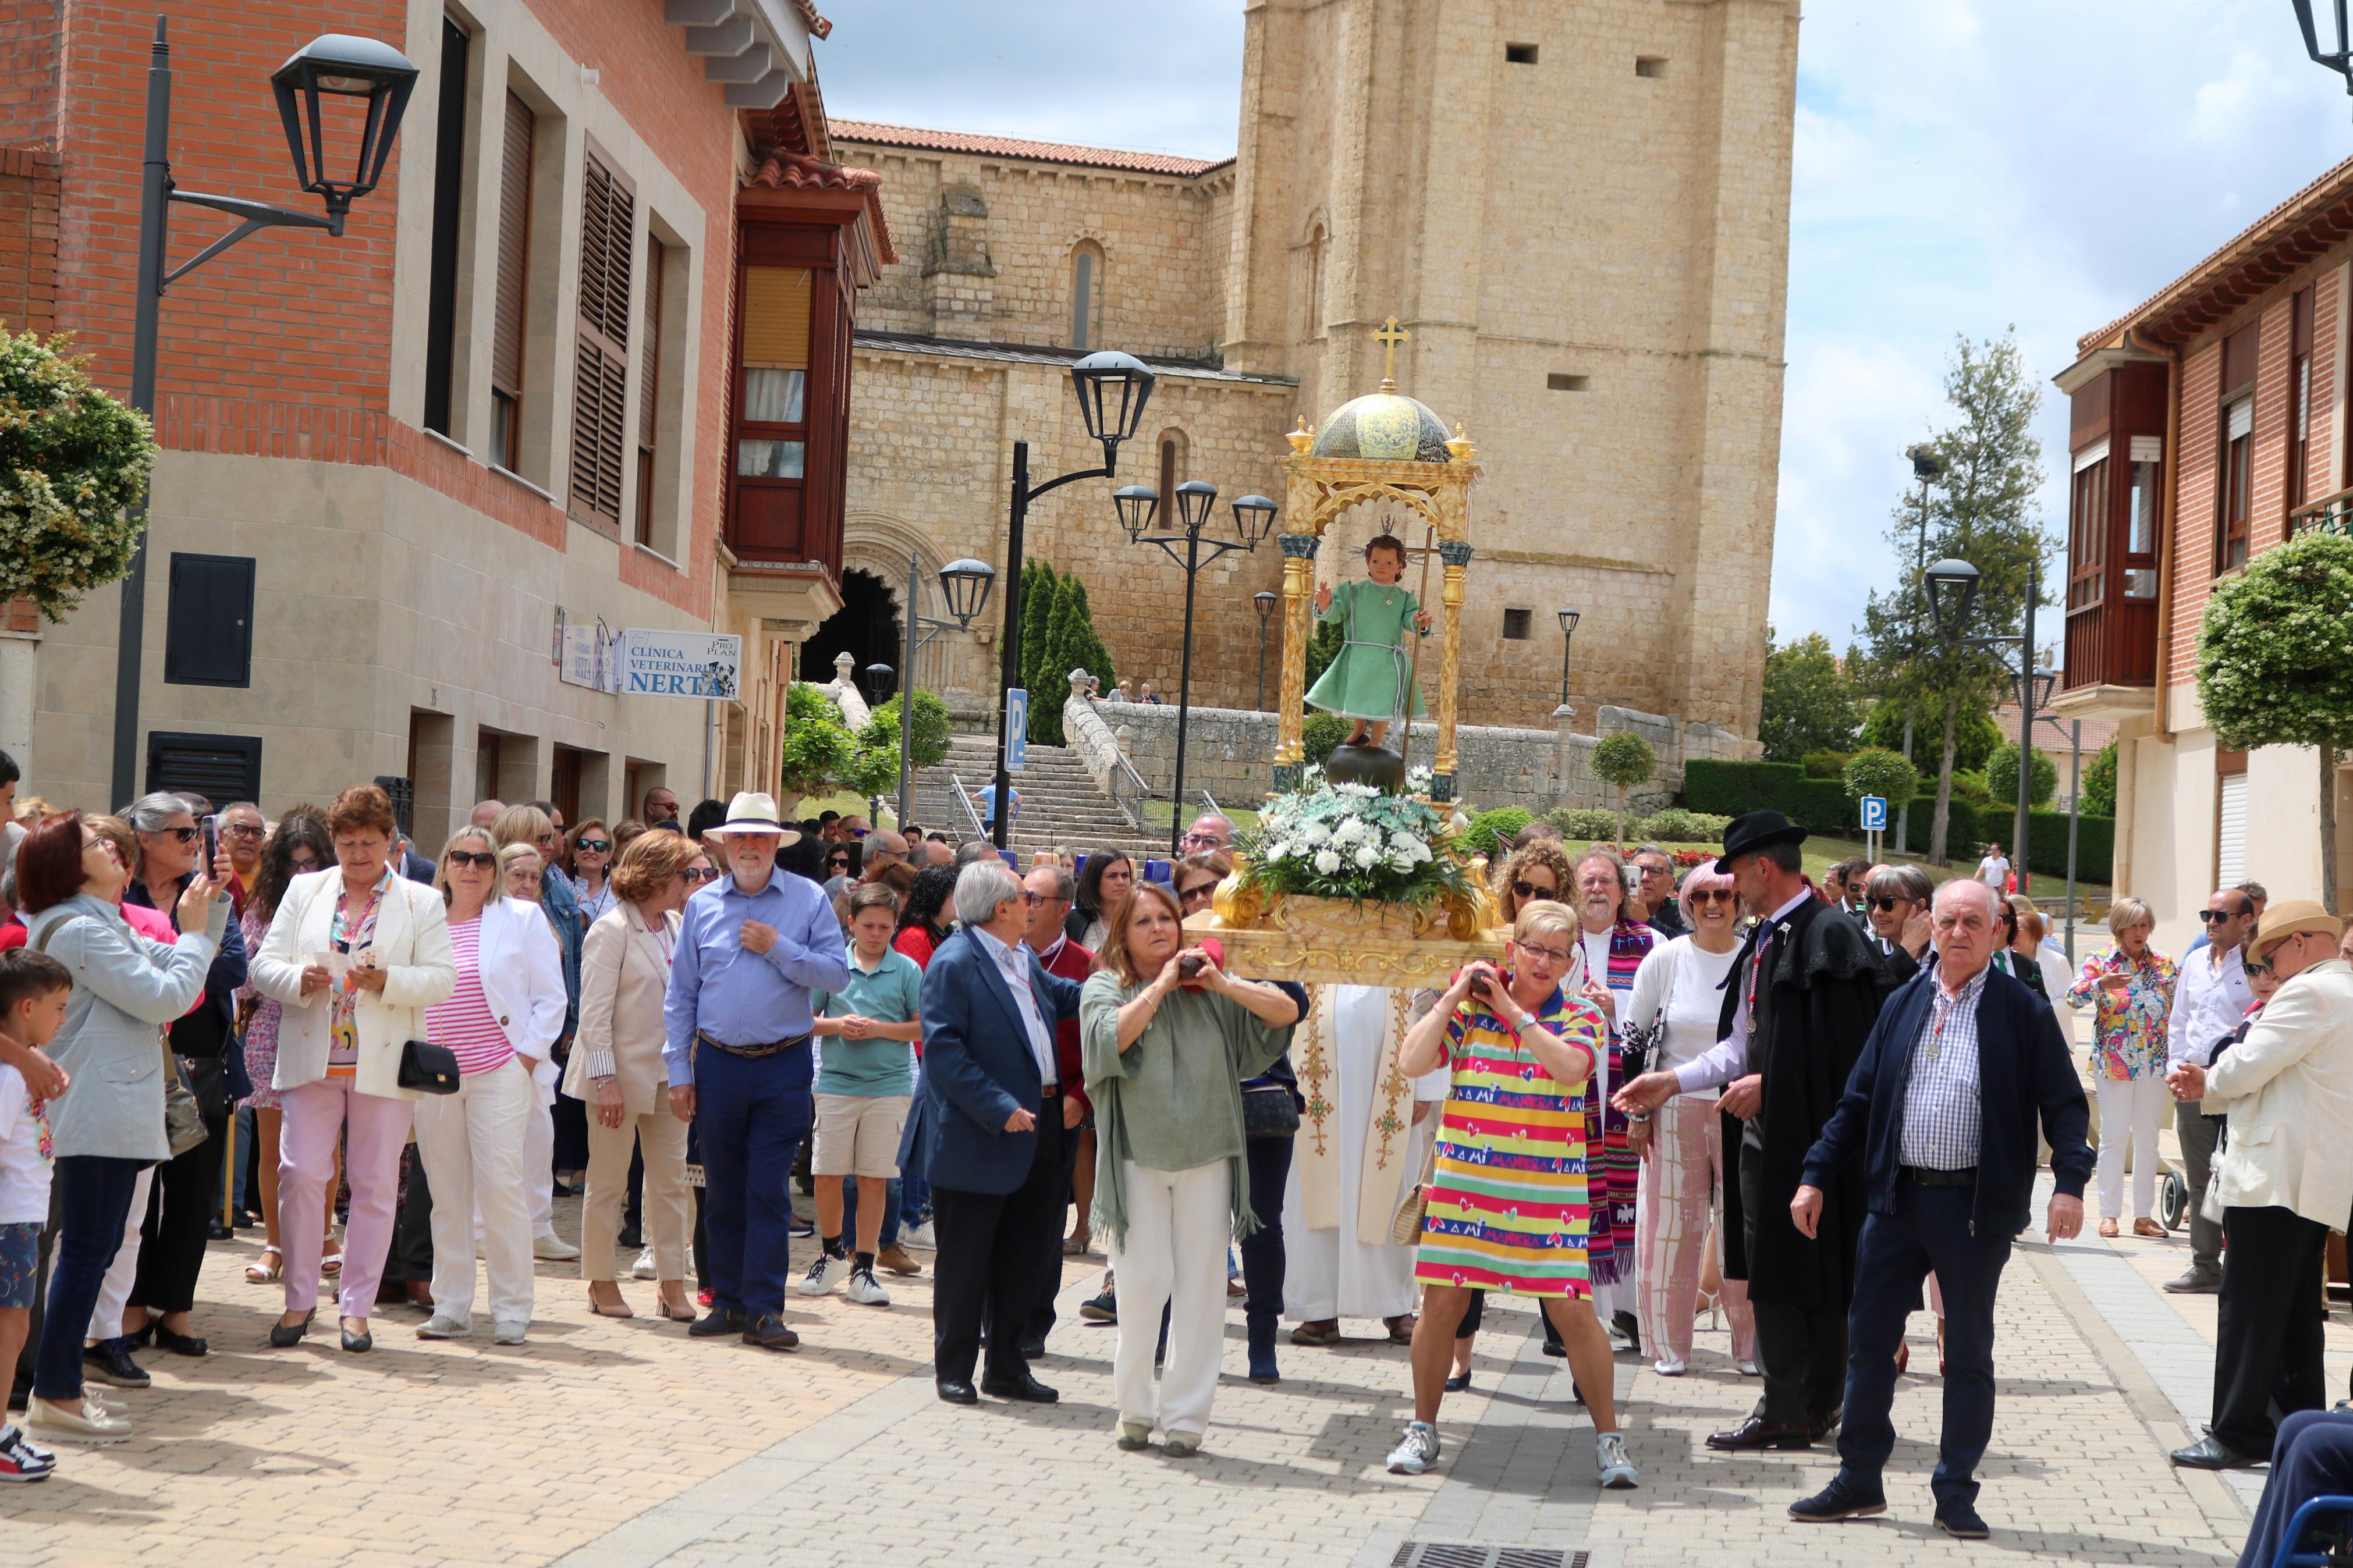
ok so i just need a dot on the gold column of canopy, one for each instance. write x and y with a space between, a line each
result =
1382 447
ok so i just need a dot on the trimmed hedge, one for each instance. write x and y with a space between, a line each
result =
1822 804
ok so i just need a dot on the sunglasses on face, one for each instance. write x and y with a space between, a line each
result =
1703 896
485 858
1197 895
1530 891
700 874
2216 917
184 834
2254 969
595 846
1883 905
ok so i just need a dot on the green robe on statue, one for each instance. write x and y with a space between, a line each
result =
1370 679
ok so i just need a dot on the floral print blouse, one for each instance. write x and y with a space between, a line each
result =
2127 1029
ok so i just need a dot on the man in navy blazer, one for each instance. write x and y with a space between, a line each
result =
1963 1066
986 1129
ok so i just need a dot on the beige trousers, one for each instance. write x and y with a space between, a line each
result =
669 1212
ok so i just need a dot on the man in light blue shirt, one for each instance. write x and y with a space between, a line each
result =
751 947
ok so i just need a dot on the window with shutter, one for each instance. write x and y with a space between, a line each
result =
511 285
448 188
601 368
772 440
649 387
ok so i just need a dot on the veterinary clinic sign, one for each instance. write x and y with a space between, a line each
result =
681 664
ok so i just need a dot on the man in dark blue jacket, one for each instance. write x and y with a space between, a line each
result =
1963 1065
986 1129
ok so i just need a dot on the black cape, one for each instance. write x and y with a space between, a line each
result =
1816 1003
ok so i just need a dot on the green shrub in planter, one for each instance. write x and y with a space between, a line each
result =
1678 825
1492 831
1581 824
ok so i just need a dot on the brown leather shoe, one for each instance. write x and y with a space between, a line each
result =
896 1260
420 1294
1759 1433
2149 1228
2109 1229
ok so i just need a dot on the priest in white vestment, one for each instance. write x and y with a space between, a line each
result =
1360 1148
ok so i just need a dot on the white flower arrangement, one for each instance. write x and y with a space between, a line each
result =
1350 841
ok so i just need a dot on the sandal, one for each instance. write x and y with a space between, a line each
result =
1076 1246
1400 1328
331 1264
266 1268
1326 1332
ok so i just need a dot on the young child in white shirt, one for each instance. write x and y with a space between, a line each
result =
34 988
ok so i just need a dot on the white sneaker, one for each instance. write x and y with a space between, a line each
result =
1747 1369
1667 1367
919 1235
643 1268
865 1291
1618 1473
553 1248
823 1275
1416 1451
438 1327
58 1424
508 1333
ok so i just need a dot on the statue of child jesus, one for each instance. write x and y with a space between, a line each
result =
1371 681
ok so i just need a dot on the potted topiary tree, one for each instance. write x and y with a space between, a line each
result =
1625 760
1876 771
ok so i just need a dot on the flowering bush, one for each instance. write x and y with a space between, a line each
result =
1690 858
71 461
1417 778
1350 841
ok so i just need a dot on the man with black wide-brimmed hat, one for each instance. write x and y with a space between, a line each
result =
1803 995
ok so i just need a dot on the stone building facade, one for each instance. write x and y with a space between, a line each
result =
1581 219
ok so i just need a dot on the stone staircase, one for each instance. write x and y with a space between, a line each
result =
1061 808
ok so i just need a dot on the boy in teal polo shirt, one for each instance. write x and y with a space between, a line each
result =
865 1081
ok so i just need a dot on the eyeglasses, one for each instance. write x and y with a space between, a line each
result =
1713 896
1885 904
1530 891
485 858
1551 954
595 846
1196 895
184 834
242 830
2215 917
1205 840
303 863
700 874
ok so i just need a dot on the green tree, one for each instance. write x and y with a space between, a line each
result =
1885 773
2001 776
2276 663
1625 760
1322 648
2100 782
1038 585
1085 648
71 461
1985 513
1975 736
1809 704
817 752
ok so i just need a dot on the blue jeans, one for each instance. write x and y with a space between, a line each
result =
1263 1261
750 1115
2312 1457
93 1203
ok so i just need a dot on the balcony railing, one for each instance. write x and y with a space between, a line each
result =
2331 515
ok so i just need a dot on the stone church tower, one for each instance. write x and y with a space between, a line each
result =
1581 212
1578 211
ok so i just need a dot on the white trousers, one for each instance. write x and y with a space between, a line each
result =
473 1144
114 1293
2129 1110
539 1162
1178 1223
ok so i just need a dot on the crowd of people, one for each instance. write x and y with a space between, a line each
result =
1731 1091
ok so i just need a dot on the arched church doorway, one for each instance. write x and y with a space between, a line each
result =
867 627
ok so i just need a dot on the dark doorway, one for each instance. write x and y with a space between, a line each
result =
866 626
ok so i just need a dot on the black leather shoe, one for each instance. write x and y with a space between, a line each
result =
1458 1382
1840 1499
285 1336
770 1333
1630 1329
1028 1389
108 1361
718 1321
1824 1426
956 1392
180 1344
359 1344
1759 1433
1960 1521
1032 1346
2211 1453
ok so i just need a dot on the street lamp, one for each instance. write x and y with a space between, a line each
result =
1952 594
1266 600
1927 467
1195 500
875 681
2045 680
1112 390
2336 51
1568 620
965 583
335 65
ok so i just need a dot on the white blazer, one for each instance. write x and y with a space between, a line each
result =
411 945
2289 1089
523 980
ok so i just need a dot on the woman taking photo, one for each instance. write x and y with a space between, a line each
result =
1166 1036
616 1068
589 851
1107 877
109 1124
355 957
501 1018
2129 989
300 846
1670 1019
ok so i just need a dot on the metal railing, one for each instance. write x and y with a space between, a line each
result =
971 814
2330 514
1129 793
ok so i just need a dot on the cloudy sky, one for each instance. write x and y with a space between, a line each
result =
1963 166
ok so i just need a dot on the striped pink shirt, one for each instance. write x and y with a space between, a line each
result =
464 1023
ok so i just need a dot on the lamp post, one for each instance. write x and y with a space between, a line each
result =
1138 506
1927 467
2046 680
1266 602
2335 50
965 583
1568 620
1113 389
334 65
1952 593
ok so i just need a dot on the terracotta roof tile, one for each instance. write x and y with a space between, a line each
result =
1014 147
783 170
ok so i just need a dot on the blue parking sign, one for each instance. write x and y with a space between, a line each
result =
1874 813
1016 729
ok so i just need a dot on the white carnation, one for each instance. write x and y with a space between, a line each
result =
1350 830
1400 860
1326 861
1316 834
1366 856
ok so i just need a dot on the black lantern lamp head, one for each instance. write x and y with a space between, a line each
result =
1927 466
1265 599
1194 500
1112 390
876 681
2336 50
1952 593
2045 682
965 584
1568 620
1253 518
1137 505
338 65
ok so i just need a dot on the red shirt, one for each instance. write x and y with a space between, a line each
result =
1068 961
917 942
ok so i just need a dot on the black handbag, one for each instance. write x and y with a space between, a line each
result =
1269 1110
427 1068
209 1081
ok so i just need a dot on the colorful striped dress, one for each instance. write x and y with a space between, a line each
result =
1507 1202
1616 1169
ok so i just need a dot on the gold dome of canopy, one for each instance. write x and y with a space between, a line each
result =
1387 427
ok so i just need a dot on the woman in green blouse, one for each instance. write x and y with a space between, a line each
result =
1165 1053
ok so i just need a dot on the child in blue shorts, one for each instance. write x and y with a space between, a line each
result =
33 992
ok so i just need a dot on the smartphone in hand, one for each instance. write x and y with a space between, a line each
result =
212 842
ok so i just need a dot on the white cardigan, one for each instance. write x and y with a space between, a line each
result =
2289 1090
411 945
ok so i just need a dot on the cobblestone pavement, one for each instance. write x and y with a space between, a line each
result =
609 1443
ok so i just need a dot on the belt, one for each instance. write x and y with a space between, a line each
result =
1967 1176
751 1052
